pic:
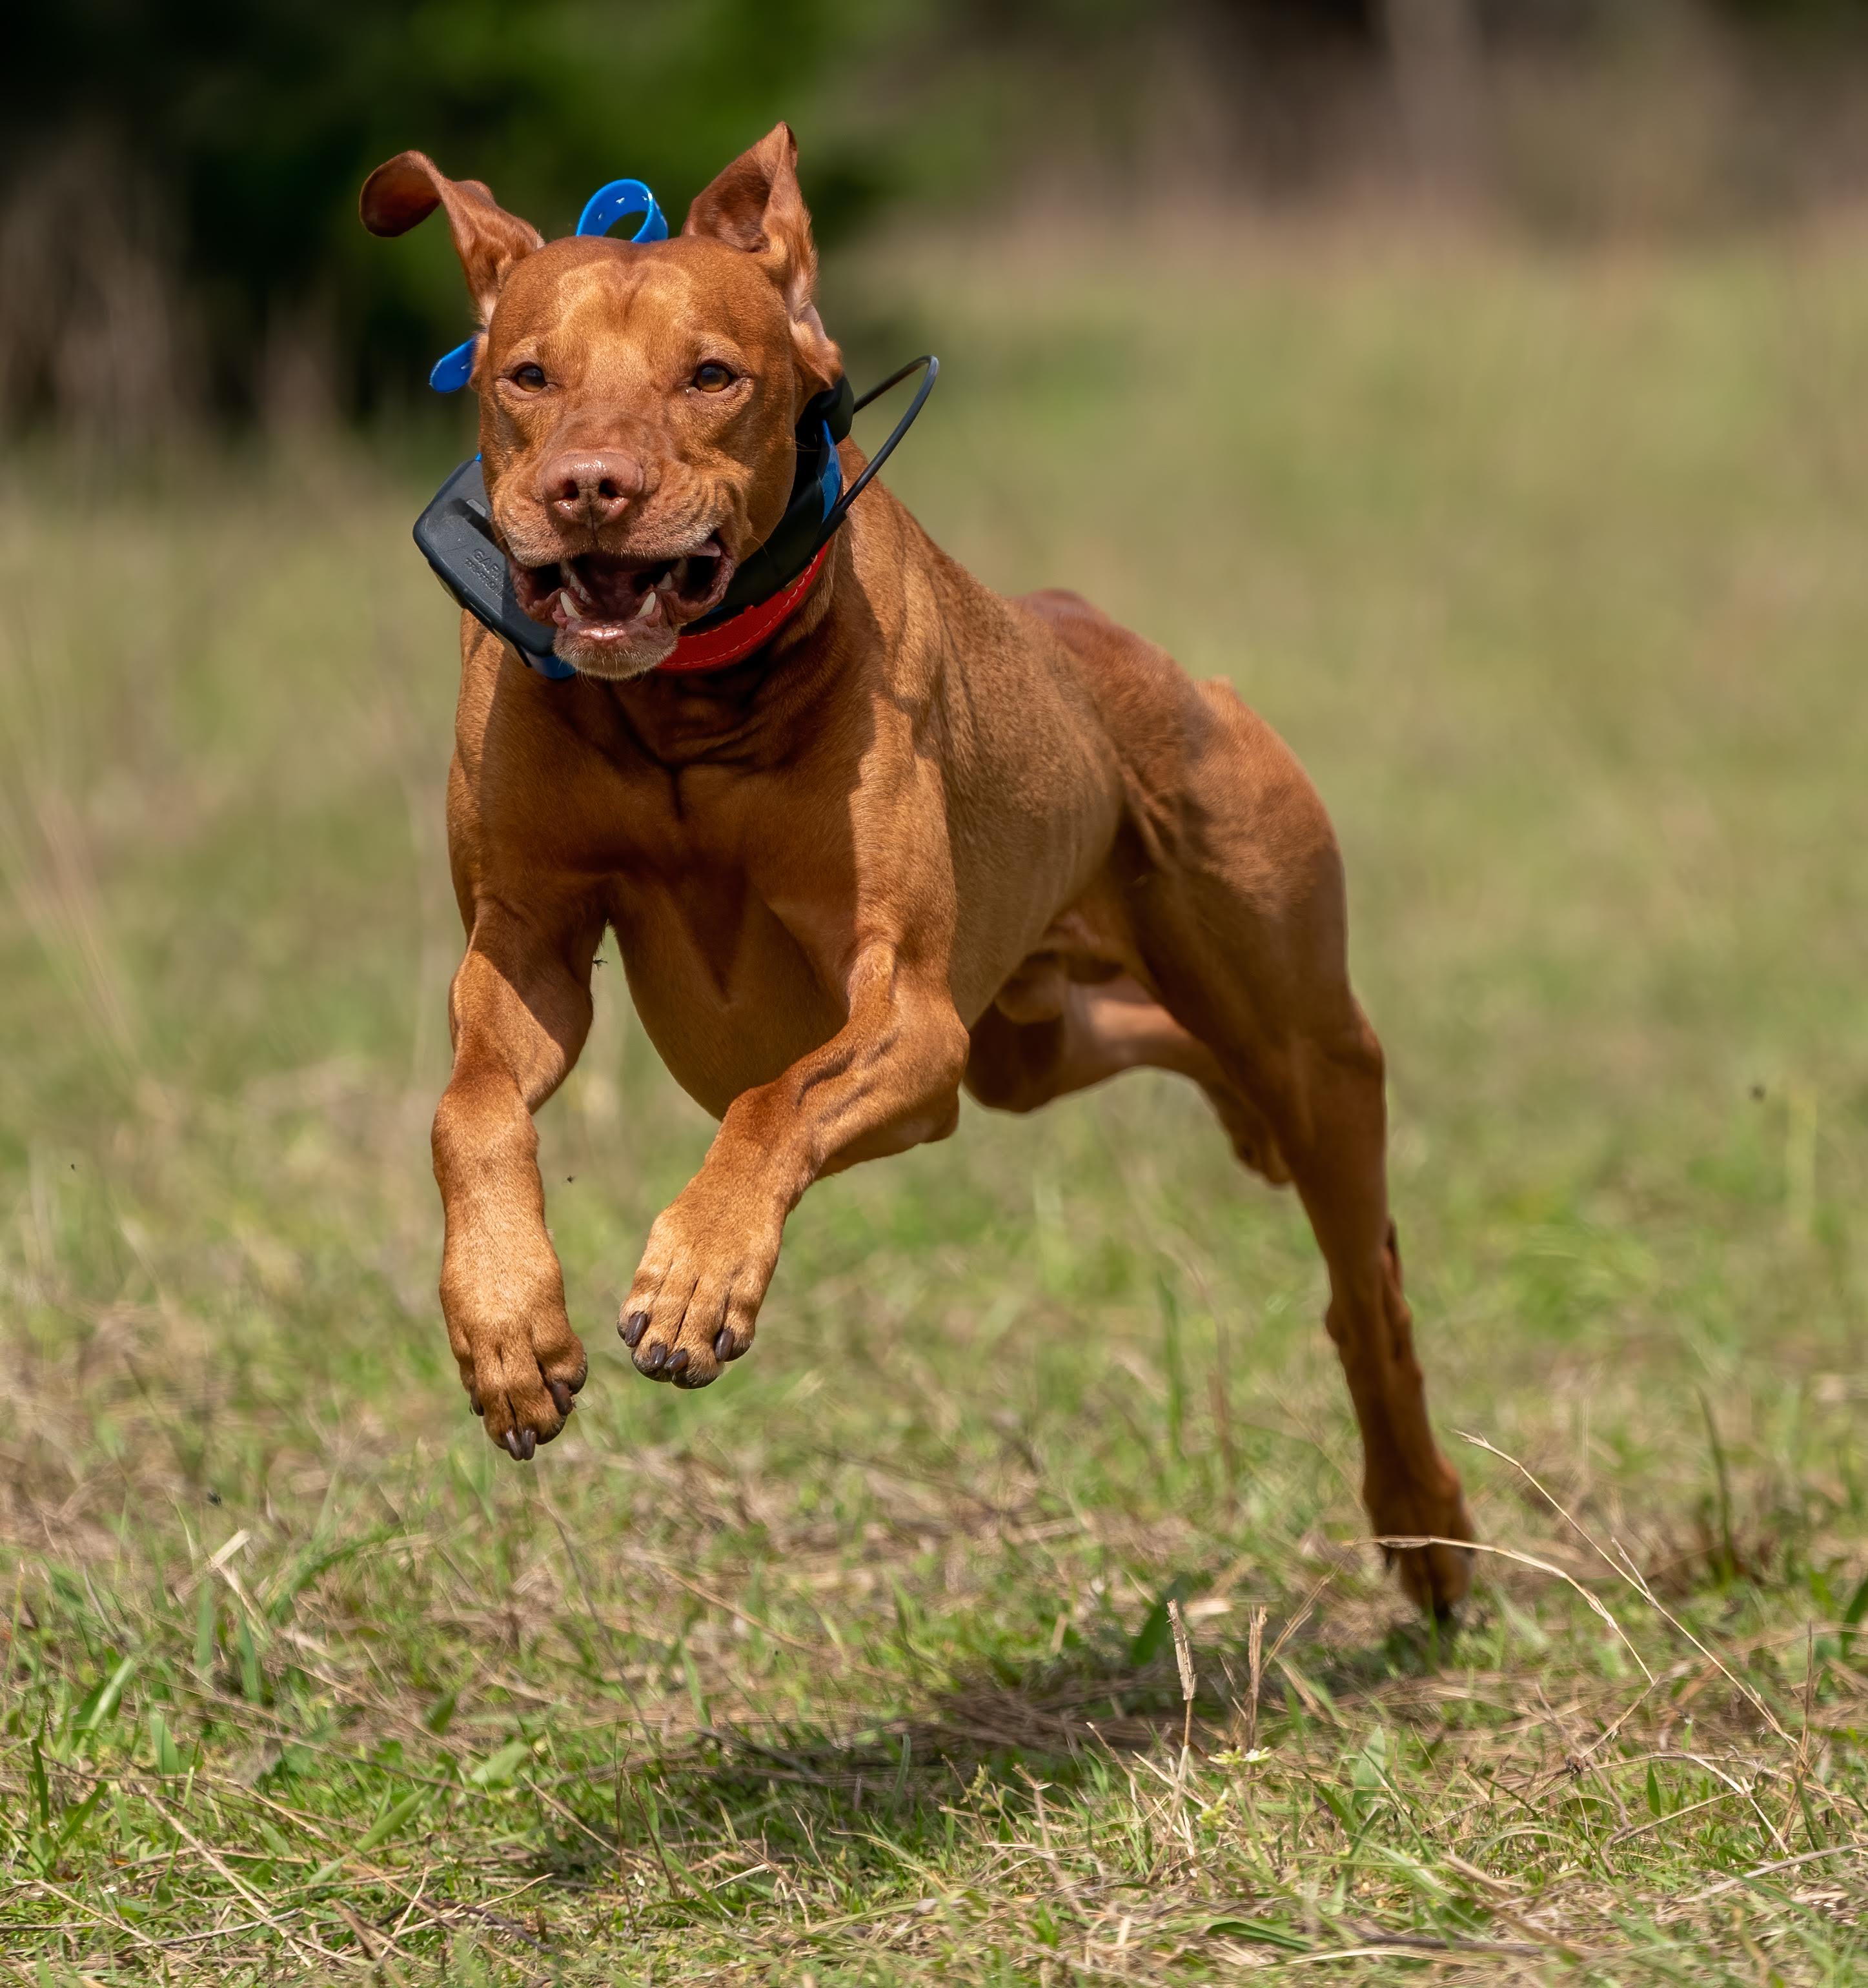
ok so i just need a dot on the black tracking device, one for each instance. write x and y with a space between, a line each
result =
455 532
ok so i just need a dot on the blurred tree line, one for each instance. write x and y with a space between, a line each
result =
178 237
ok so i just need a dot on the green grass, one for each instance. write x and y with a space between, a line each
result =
858 1667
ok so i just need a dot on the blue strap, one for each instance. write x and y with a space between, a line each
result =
604 208
831 482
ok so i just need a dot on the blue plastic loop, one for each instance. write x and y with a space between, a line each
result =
604 208
453 369
607 205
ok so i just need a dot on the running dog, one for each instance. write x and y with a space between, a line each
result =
923 839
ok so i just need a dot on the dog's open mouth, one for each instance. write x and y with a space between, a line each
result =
609 598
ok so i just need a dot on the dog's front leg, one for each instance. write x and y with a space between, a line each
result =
887 1080
519 1011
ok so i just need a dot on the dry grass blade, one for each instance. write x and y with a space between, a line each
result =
1625 1569
1396 1542
1183 1662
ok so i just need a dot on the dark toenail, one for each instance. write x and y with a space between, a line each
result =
650 1361
511 1440
677 1360
723 1343
478 1405
561 1395
632 1329
528 1442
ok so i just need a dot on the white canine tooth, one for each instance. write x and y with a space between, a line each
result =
647 606
578 587
676 577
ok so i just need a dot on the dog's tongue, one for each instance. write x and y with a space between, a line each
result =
608 588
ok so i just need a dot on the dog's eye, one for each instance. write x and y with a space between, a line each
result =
530 378
711 377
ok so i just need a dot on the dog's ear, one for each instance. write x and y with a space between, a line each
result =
755 205
487 240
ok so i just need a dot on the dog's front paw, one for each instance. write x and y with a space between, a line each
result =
519 1361
694 1304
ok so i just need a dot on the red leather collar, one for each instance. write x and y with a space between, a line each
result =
750 629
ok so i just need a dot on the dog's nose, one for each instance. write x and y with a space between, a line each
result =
590 488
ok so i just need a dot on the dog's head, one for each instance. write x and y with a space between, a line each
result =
637 401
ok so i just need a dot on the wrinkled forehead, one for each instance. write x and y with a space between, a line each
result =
582 305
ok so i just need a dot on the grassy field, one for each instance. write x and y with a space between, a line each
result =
860 1667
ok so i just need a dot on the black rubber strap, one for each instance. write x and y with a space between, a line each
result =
849 497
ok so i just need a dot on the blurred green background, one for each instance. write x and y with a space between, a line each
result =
178 241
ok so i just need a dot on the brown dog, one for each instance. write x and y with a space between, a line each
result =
927 837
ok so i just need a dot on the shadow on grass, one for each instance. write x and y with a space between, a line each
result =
865 1799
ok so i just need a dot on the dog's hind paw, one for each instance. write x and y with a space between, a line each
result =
1423 1540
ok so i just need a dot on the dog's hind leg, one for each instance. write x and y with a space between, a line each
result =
1242 925
1069 1035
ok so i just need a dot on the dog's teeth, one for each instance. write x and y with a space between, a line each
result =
578 588
676 577
647 606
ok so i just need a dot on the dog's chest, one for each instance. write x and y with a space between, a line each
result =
726 993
